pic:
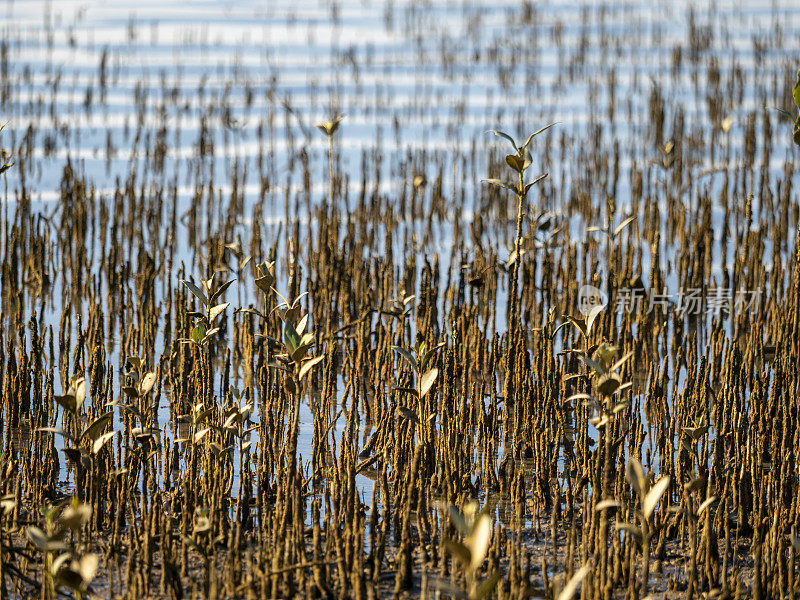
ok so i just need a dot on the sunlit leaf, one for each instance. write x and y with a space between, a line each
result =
501 183
426 382
301 325
623 225
572 585
217 311
706 503
86 567
478 540
606 504
308 365
101 441
148 381
654 495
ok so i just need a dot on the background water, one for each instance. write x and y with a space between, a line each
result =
419 83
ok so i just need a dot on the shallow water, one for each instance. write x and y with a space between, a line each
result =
415 81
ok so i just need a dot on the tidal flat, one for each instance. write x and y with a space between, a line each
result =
399 299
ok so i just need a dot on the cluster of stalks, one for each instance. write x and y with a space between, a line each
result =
173 426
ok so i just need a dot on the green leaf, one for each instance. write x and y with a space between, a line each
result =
67 401
786 114
535 133
796 91
534 182
198 293
427 355
408 414
526 158
406 390
500 183
458 519
608 384
407 356
133 410
505 136
579 323
487 587
198 333
220 290
93 431
57 431
290 337
459 551
515 162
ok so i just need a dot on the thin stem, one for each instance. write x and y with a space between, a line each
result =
330 169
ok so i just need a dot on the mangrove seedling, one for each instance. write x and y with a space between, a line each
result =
475 526
649 497
795 119
85 438
205 322
66 563
329 128
419 361
138 399
519 162
5 159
